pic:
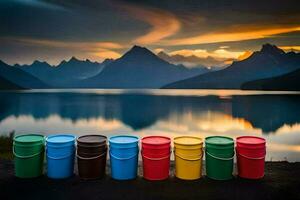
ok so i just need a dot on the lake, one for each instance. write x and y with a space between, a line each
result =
272 115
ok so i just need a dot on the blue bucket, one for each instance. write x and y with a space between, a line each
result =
124 155
60 151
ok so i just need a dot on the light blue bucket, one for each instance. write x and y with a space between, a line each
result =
60 151
124 155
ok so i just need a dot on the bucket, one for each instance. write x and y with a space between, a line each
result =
156 157
251 152
219 153
28 153
91 156
123 152
60 151
188 153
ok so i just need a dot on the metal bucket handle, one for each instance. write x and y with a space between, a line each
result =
59 158
218 158
188 159
91 158
118 158
23 157
251 158
156 158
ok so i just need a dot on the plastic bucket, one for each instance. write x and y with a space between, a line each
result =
251 152
60 151
219 153
156 157
123 152
91 156
188 153
28 153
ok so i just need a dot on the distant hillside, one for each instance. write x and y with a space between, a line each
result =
290 81
19 77
270 61
140 68
7 85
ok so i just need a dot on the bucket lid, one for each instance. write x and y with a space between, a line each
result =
60 138
29 138
123 139
156 140
251 140
188 140
92 139
219 140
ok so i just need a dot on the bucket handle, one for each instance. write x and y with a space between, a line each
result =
91 158
59 158
218 158
24 157
155 158
188 159
251 158
118 158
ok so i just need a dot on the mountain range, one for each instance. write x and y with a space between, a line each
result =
270 61
15 78
140 68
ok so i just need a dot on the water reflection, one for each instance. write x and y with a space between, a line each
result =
140 111
277 116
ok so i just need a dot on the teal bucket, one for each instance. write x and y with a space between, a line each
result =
219 153
28 153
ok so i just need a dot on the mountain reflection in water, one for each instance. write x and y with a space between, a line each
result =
142 113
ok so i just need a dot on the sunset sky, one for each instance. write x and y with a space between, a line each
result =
97 29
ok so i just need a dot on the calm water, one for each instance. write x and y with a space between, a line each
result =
273 115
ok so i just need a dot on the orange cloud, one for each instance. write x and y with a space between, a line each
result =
239 35
290 48
246 55
163 24
203 53
104 53
64 44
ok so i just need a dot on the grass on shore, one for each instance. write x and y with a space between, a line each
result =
6 143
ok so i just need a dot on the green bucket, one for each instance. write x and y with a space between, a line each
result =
219 153
29 155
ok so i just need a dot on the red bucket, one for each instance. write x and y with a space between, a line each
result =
251 152
156 157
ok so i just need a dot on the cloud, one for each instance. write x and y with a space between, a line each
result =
163 23
105 53
195 57
235 35
203 53
290 48
56 50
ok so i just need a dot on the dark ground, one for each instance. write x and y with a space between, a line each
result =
282 181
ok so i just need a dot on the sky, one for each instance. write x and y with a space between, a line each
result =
55 30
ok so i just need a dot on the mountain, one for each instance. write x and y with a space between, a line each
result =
7 85
290 81
67 73
139 68
270 61
192 60
19 78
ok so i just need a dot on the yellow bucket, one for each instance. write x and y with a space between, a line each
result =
188 153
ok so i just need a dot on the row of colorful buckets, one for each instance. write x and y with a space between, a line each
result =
124 153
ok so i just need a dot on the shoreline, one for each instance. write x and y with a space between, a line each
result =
281 181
